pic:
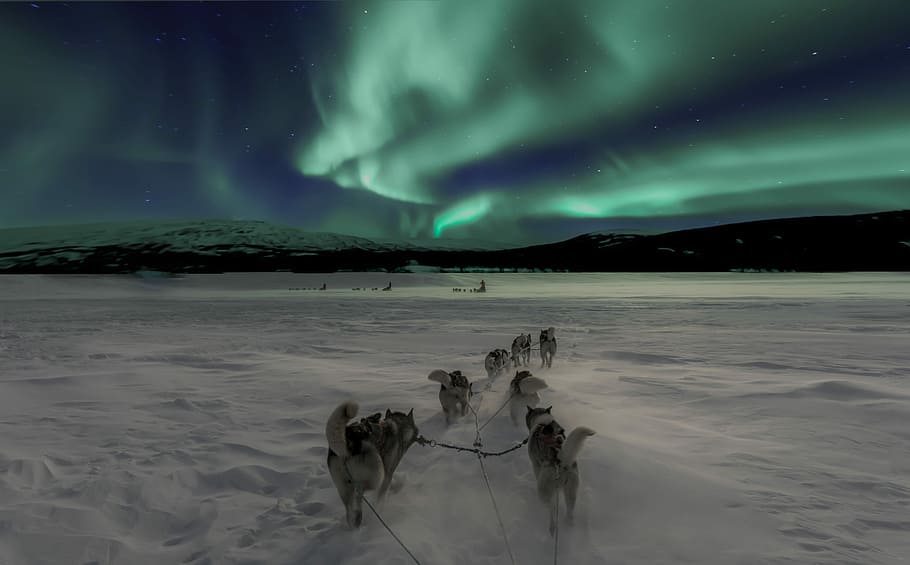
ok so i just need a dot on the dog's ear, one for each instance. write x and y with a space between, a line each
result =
549 408
529 409
411 415
388 413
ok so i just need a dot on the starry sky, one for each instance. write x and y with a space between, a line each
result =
516 121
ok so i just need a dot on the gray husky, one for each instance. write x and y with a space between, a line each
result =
455 393
547 346
553 458
364 455
523 390
521 350
496 362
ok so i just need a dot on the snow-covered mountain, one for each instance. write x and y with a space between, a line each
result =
831 243
180 236
118 247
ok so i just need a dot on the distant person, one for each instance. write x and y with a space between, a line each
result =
322 287
389 287
483 286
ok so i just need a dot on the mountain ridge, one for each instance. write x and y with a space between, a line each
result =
877 241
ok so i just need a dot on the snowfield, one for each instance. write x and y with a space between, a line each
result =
740 418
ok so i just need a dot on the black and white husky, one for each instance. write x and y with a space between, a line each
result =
496 362
547 346
521 350
455 393
523 390
364 455
553 459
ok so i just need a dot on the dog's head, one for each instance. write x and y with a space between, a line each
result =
406 425
537 416
541 423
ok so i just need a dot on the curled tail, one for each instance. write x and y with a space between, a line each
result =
440 377
572 446
334 427
530 385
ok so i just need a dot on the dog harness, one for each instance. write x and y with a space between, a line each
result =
516 381
369 428
458 380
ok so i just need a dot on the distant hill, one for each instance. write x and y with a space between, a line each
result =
867 242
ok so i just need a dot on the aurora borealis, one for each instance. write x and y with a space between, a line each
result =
514 121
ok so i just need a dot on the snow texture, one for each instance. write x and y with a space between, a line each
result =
740 418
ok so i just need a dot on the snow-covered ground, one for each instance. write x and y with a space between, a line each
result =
741 418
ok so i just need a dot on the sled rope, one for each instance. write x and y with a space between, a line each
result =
476 450
494 413
502 527
556 533
478 443
381 521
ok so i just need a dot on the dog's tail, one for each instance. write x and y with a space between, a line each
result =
441 377
572 446
530 385
334 427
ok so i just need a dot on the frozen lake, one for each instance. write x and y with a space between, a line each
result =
740 418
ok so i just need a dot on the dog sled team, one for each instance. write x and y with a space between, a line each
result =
481 288
363 454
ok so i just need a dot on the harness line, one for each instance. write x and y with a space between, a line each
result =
502 527
433 443
381 521
401 543
556 533
478 442
494 414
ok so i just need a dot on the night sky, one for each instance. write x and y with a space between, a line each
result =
510 120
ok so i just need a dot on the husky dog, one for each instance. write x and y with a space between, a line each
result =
496 362
364 455
455 393
547 346
524 388
553 458
521 350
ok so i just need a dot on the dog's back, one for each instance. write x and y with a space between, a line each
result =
455 393
521 350
495 362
